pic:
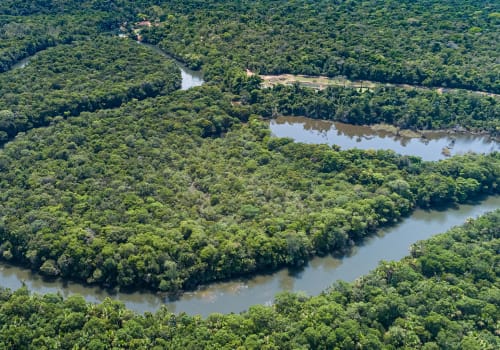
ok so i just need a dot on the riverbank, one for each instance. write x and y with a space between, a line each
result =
321 82
404 302
241 293
424 134
190 78
429 145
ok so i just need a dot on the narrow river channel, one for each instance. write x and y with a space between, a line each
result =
22 63
190 78
238 295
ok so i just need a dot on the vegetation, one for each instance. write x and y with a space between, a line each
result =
451 44
150 194
22 36
148 186
408 109
82 76
443 296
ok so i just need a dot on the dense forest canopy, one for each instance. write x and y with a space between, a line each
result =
82 76
434 43
22 36
113 177
251 202
444 296
151 194
408 109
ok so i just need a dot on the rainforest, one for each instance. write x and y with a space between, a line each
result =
113 176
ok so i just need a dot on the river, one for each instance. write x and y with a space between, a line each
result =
190 78
22 63
435 145
237 295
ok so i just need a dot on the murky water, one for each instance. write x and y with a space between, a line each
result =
22 63
238 295
435 146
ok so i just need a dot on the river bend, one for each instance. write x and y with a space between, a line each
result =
237 295
321 272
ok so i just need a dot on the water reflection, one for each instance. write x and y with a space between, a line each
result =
390 244
434 146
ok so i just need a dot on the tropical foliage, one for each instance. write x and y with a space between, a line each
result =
443 296
83 76
434 43
407 109
176 191
114 178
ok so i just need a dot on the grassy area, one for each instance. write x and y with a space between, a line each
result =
322 82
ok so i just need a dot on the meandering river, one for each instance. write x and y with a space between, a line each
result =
190 78
239 294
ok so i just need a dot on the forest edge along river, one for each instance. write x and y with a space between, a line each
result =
433 146
322 82
239 294
190 78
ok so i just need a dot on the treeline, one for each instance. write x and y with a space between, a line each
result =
407 109
151 195
431 43
23 36
443 296
83 76
17 45
37 7
30 8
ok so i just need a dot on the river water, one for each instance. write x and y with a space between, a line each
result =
237 295
347 136
22 63
190 78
